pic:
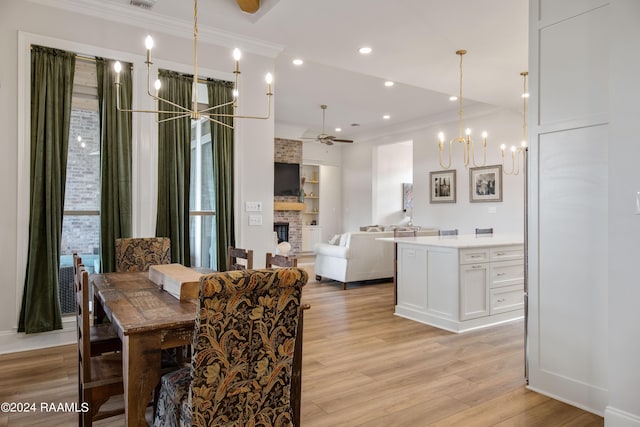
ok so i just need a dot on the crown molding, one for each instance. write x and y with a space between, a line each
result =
143 18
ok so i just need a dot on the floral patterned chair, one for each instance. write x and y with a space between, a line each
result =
137 254
241 367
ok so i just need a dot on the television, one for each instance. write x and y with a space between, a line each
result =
286 180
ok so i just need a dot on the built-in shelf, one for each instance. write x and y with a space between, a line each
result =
289 206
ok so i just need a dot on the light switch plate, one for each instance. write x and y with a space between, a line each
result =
253 206
255 219
638 203
493 209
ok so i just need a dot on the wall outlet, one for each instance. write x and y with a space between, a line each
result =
253 206
255 219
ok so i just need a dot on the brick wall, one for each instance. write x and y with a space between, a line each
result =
289 151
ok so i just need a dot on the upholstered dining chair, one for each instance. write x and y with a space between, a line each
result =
138 253
452 232
99 377
484 231
280 261
236 254
244 345
103 337
399 232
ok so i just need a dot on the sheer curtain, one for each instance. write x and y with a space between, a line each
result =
52 72
222 144
115 160
174 162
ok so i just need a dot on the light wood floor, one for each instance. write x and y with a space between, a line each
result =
362 366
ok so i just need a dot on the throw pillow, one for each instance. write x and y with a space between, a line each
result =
334 240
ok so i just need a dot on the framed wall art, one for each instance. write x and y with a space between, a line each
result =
407 196
442 186
485 184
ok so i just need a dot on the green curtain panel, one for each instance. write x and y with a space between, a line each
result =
52 73
174 162
222 137
115 159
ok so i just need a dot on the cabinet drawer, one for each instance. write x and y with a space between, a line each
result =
471 256
505 273
502 253
506 298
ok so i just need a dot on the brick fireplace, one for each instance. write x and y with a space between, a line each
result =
289 151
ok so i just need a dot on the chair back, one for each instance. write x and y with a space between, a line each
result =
250 318
485 231
83 325
280 261
235 254
137 254
398 232
452 232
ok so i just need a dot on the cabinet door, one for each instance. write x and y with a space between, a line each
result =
474 291
310 236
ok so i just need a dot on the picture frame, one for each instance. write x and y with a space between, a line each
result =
442 186
485 184
407 196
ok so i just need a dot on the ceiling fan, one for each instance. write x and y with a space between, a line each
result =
324 137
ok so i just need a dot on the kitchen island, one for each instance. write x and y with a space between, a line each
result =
460 283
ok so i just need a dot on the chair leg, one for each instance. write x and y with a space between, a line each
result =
344 286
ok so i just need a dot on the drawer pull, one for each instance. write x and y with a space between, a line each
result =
475 256
501 300
476 266
500 253
500 274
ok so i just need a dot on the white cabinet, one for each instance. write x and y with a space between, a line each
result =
310 236
460 284
474 291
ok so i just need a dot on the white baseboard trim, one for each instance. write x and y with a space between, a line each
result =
616 418
565 400
12 342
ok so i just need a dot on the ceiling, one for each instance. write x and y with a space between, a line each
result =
413 42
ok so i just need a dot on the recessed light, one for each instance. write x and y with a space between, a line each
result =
365 50
386 117
453 98
338 129
297 61
389 83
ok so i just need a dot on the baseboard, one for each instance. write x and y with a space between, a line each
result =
13 342
616 418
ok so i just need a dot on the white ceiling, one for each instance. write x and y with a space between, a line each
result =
414 44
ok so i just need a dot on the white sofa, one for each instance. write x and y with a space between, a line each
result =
358 256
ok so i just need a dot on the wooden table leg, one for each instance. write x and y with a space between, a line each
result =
141 361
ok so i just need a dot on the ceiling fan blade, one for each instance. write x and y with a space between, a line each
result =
343 140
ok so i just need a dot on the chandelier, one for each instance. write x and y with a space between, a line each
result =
192 111
469 156
518 152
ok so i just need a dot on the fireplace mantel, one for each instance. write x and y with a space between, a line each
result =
289 206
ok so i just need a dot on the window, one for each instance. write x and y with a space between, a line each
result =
202 226
81 220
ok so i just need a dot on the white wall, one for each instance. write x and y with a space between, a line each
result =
392 165
91 34
504 126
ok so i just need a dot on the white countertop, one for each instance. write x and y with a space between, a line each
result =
460 241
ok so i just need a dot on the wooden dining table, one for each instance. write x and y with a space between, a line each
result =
147 320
